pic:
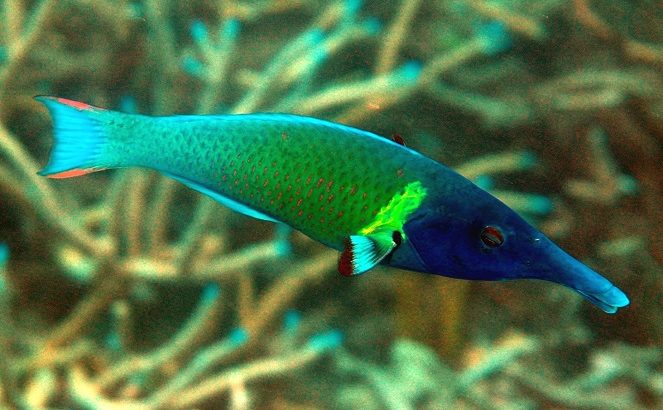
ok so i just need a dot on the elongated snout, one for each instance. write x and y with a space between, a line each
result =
558 266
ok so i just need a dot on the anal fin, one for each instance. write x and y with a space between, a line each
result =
222 199
362 252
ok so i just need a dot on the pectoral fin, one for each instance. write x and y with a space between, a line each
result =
363 252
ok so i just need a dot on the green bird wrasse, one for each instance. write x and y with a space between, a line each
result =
371 198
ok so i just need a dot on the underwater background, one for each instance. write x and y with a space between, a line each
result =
124 289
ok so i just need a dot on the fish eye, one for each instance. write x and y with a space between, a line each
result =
492 236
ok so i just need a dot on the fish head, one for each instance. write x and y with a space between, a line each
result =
481 238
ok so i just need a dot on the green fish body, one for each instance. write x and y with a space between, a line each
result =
369 197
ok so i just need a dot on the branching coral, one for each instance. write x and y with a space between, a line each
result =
99 263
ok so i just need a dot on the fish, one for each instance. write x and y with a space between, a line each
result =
371 198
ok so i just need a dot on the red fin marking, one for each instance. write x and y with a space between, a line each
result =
71 173
76 104
345 264
398 139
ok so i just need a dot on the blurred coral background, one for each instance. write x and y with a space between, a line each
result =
123 289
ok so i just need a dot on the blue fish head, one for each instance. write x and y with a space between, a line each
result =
480 238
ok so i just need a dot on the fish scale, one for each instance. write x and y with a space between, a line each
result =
324 179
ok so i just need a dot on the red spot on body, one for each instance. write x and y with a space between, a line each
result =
289 188
322 209
299 202
353 190
284 136
276 174
308 194
363 196
330 198
320 181
280 194
321 197
400 172
71 173
322 219
264 184
298 192
300 213
329 185
341 188
264 170
340 214
308 180
253 168
271 202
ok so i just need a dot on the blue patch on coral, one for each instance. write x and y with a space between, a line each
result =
326 340
496 37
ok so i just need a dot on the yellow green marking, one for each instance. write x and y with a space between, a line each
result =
393 216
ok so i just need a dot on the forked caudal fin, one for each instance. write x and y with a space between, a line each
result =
79 138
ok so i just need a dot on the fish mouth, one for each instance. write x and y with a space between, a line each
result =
566 270
609 301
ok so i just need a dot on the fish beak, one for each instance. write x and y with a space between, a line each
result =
562 268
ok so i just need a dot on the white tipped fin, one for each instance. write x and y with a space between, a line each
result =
362 253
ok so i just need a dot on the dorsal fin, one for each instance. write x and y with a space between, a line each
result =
398 139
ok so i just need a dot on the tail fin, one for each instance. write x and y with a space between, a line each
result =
79 138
